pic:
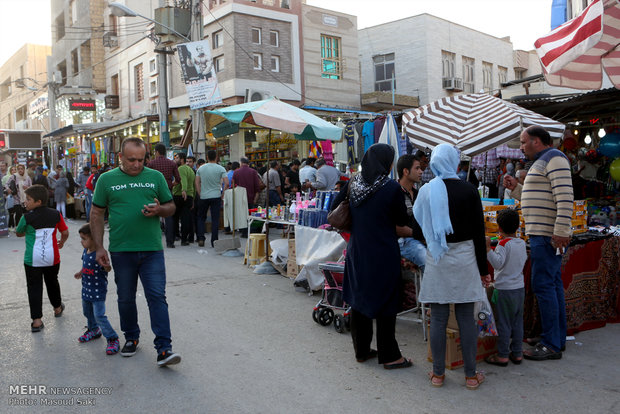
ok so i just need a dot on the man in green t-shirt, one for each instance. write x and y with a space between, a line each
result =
136 198
183 194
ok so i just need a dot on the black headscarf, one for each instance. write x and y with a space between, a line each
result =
376 166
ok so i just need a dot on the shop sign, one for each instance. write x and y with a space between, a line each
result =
82 105
112 102
39 105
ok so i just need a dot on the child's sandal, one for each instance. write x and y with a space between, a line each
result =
472 383
436 380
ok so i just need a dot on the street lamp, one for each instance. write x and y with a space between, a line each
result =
120 10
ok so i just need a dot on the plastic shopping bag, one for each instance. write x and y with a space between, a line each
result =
483 315
10 202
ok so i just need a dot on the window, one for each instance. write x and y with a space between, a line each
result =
256 35
218 39
138 77
60 26
5 89
62 68
258 61
274 38
275 63
468 75
331 63
154 107
21 113
153 87
74 12
487 76
502 75
447 60
114 85
520 74
153 66
384 72
285 4
113 24
75 64
218 63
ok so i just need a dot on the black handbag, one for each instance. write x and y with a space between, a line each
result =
340 217
13 186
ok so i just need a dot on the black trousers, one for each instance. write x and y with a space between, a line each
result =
34 281
361 333
183 214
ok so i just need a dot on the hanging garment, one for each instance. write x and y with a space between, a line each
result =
378 125
240 208
369 135
349 134
359 141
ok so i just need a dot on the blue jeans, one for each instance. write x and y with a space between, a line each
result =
412 250
88 202
95 316
150 267
440 313
549 290
203 207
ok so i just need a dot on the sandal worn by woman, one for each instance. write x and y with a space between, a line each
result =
436 380
472 383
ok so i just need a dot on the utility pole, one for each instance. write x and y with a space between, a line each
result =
162 65
198 125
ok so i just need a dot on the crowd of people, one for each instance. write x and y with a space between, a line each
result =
437 224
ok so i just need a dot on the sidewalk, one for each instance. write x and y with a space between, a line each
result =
249 345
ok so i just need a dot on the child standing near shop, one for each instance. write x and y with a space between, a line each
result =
42 258
508 260
94 288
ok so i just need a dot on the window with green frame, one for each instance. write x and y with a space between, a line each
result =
331 59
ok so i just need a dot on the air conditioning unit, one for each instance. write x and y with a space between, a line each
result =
253 95
110 39
455 84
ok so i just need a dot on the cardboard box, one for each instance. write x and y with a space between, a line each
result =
487 345
292 269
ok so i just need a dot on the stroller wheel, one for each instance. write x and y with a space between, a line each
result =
326 316
339 323
347 322
315 315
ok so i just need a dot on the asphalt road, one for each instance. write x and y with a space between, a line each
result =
249 345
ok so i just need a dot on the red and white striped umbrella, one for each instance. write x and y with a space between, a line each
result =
474 123
574 54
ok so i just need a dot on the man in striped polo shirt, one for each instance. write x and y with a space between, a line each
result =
547 204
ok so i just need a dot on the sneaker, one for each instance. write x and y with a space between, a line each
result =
540 353
89 335
129 349
168 358
113 346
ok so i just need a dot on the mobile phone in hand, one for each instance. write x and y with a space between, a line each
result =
151 205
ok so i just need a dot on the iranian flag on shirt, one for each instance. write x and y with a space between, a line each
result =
40 226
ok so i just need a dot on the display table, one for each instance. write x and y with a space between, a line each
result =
591 276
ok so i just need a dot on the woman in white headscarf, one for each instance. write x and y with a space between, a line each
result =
449 211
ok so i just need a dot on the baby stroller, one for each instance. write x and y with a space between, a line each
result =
331 299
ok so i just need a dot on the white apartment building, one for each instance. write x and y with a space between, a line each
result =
429 57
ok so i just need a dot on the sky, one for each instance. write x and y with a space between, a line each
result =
523 20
